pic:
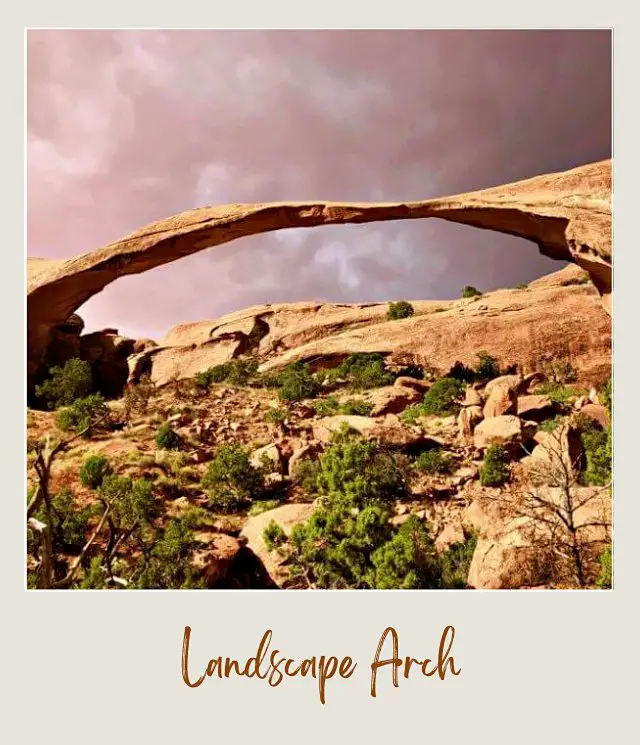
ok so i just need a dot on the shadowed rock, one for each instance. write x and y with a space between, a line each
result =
568 215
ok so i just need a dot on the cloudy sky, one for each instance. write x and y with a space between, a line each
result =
126 127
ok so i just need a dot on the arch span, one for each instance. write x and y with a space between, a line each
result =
567 214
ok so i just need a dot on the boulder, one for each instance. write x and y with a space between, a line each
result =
387 430
286 516
393 399
513 552
501 400
557 454
513 382
468 417
215 558
597 413
452 533
309 451
472 397
499 430
534 407
267 453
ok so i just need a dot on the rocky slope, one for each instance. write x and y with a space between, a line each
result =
556 317
568 215
554 338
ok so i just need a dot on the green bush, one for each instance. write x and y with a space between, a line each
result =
487 367
361 471
400 309
66 384
306 474
606 563
131 500
277 415
352 407
231 480
495 468
82 413
167 438
168 565
296 382
455 563
273 536
263 505
605 395
70 522
597 449
549 425
521 286
408 560
470 291
236 372
440 399
336 545
93 471
362 371
434 461
327 406
558 393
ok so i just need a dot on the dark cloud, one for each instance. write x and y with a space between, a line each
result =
128 127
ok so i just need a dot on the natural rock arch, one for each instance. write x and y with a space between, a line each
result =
567 214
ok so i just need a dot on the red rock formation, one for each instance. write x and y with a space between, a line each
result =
568 215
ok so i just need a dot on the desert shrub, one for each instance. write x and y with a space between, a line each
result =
168 565
296 382
82 414
605 395
273 536
277 415
93 471
434 461
495 467
487 367
66 384
263 505
455 563
400 309
131 500
354 407
408 560
137 396
361 371
236 372
521 286
606 562
361 471
231 480
327 406
597 450
412 371
69 521
441 398
558 393
549 425
306 475
575 281
412 413
167 438
470 291
561 372
94 577
336 545
461 372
